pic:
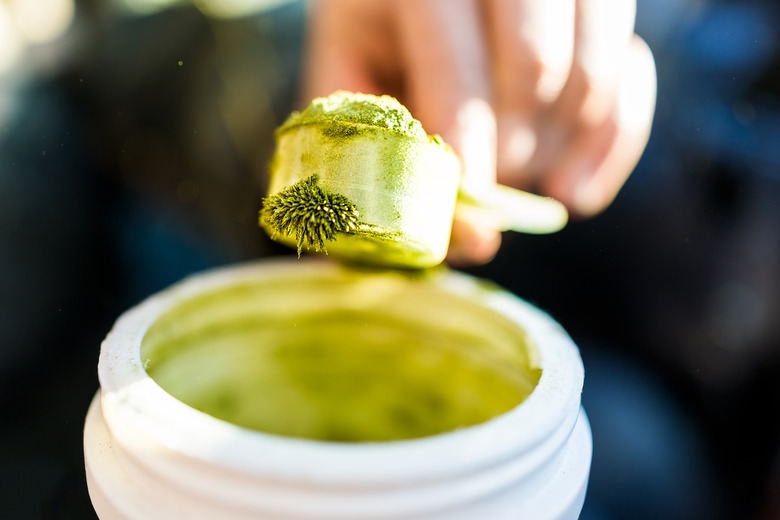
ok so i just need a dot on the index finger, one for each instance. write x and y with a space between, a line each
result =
349 46
447 77
448 85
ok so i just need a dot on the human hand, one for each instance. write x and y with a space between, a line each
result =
553 96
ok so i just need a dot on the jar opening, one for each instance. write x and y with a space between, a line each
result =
341 356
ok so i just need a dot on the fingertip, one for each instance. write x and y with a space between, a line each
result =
588 198
472 243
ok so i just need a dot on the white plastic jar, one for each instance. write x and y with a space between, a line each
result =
229 342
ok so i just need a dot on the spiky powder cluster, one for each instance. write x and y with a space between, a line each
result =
309 213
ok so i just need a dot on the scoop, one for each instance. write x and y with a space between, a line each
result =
356 176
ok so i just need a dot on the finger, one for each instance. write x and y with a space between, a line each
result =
448 87
604 29
531 48
447 83
598 163
474 241
348 46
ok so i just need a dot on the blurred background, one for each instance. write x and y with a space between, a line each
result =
134 136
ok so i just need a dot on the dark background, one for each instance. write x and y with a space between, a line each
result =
132 153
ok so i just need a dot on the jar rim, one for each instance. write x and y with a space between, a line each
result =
139 412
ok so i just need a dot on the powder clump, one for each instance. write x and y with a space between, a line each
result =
309 213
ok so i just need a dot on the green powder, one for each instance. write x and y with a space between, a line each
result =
367 357
346 109
355 155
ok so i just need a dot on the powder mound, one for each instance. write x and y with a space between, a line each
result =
362 109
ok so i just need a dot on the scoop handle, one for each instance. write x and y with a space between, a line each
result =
513 209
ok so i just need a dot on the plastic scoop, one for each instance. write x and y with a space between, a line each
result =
514 210
356 176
